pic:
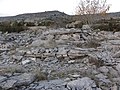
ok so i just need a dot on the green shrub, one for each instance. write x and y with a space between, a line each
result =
46 23
104 27
12 27
29 23
39 75
107 24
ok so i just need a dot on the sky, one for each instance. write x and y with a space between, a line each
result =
15 7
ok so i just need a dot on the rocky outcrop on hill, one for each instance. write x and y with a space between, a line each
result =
60 59
60 19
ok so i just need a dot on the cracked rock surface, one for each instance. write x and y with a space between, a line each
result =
60 59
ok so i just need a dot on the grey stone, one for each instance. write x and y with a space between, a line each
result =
114 73
81 84
116 80
117 55
8 84
103 78
2 78
17 57
118 67
86 27
64 37
75 76
114 87
24 79
62 51
71 61
115 42
26 62
38 43
104 70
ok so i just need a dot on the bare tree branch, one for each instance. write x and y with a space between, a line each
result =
92 7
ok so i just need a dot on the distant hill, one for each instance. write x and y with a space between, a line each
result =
59 17
35 16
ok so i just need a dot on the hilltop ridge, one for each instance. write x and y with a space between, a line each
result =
54 15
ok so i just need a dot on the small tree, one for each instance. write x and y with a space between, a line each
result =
89 7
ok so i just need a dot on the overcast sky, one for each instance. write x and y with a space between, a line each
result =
14 7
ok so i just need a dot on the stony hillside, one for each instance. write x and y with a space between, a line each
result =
54 15
47 14
44 58
60 59
59 18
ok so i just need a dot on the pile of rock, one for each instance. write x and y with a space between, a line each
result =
60 59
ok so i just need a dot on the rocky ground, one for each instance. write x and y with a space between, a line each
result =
60 59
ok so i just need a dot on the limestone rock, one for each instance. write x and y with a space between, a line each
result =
86 27
118 67
104 70
26 62
117 55
83 83
2 78
8 84
23 79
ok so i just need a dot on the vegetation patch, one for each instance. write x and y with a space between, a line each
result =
12 27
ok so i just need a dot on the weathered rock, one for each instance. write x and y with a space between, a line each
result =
23 79
17 57
59 53
83 83
104 70
38 43
116 80
71 62
8 84
26 62
64 37
114 87
2 78
103 78
113 73
118 67
86 27
117 55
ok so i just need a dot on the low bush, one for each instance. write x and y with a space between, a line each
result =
107 25
30 24
46 23
40 75
12 27
104 27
